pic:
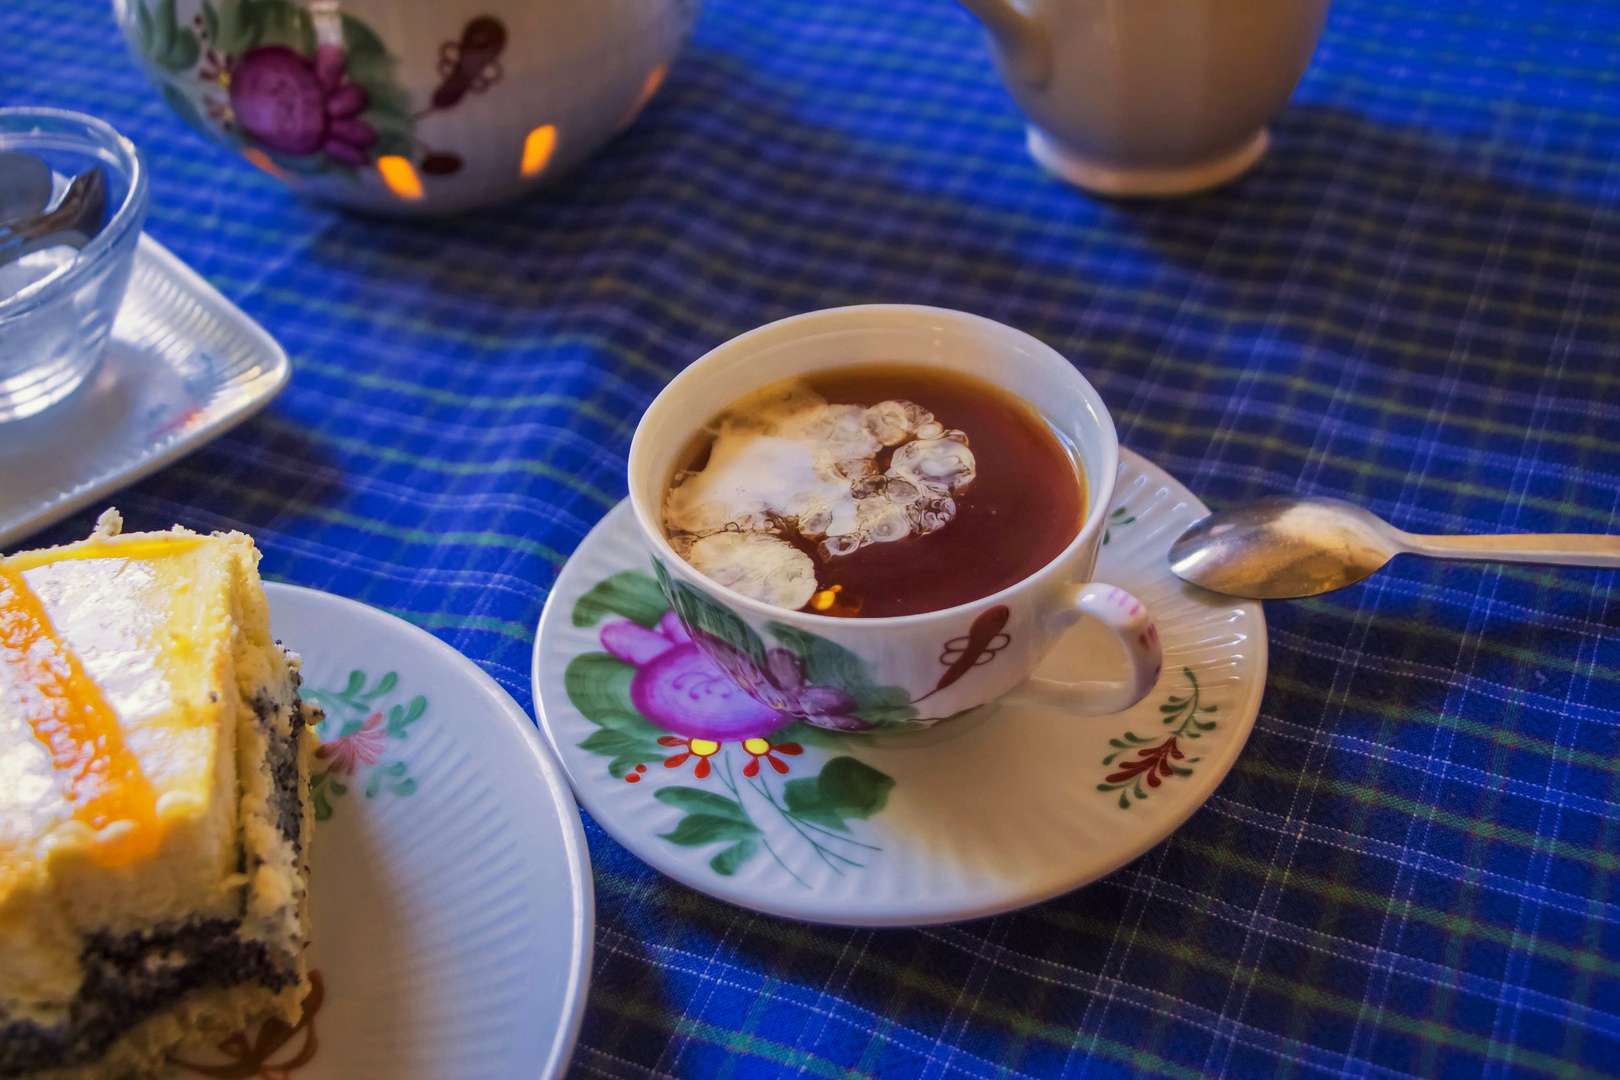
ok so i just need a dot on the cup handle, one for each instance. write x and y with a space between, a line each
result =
1127 619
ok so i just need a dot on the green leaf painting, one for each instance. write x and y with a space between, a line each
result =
1119 517
163 39
845 788
727 861
356 695
811 813
598 685
369 64
711 818
282 22
630 594
401 717
238 24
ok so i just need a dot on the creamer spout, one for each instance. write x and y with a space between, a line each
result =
1022 38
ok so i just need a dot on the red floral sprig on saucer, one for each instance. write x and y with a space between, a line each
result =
1155 760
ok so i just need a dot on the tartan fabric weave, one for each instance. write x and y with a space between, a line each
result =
1413 302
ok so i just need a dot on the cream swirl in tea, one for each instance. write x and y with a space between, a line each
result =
785 460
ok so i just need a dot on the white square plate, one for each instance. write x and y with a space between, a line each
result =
184 365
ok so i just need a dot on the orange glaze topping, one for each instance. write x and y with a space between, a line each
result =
101 778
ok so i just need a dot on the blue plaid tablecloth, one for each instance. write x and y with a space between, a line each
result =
1413 302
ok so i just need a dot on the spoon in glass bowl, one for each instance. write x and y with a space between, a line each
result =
74 222
1278 548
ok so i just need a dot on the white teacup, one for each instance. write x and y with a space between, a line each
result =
884 674
1150 97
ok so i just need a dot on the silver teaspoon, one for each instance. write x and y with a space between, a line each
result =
1273 549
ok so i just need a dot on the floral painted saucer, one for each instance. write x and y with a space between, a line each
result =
450 882
1003 806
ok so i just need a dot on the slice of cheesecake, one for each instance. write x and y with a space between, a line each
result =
154 803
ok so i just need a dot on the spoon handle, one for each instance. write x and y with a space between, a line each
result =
1559 549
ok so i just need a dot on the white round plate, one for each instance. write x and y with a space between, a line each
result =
1004 806
450 882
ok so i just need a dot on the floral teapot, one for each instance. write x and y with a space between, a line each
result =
408 106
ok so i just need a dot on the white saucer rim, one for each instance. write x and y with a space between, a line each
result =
643 847
582 887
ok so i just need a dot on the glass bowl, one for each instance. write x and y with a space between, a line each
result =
54 330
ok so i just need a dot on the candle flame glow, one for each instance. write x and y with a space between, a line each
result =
400 177
537 149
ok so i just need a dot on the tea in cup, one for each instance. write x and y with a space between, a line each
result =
843 493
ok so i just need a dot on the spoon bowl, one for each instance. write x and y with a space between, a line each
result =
1280 548
74 222
25 185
